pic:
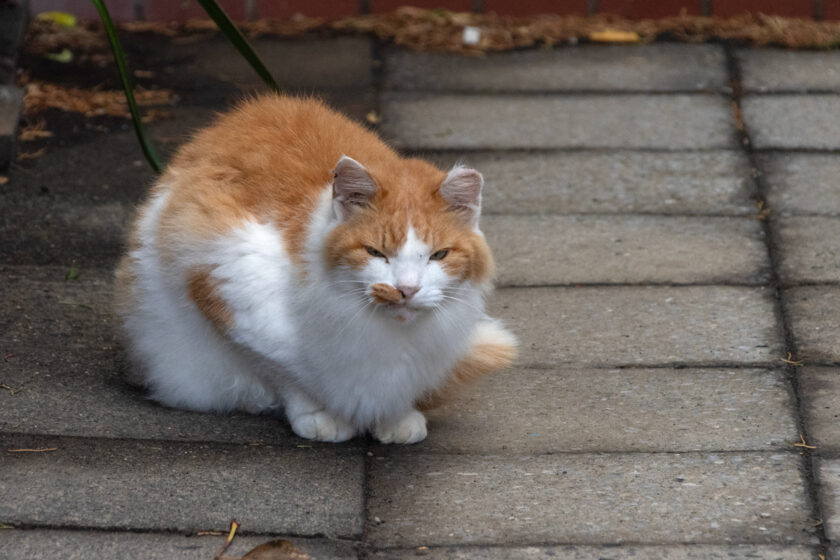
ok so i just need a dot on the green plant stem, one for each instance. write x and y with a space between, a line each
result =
235 36
145 143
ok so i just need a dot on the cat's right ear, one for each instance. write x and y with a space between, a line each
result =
352 187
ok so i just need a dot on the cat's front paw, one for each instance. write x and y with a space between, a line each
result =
322 426
411 428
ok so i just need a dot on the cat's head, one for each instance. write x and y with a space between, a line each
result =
407 237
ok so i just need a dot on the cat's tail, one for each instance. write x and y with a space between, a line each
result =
492 348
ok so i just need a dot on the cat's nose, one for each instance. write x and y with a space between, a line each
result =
408 291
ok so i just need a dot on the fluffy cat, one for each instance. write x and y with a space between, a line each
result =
289 259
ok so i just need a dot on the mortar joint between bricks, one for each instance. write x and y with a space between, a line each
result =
771 242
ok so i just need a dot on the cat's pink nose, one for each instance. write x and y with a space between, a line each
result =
408 291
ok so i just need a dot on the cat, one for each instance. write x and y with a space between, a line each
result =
288 259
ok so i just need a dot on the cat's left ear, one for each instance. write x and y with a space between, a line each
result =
462 190
352 187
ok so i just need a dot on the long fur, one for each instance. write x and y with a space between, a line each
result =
248 280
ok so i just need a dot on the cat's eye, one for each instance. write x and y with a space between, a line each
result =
374 253
438 255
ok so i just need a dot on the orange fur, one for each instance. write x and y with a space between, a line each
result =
202 291
385 293
483 358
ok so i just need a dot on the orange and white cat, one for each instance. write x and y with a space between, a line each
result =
251 277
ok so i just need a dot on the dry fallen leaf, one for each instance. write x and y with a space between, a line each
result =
40 450
39 96
35 131
614 36
276 550
31 155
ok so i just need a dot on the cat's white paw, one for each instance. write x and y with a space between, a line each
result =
322 426
411 428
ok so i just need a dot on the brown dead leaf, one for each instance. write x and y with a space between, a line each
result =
39 96
614 36
31 155
35 131
40 450
276 550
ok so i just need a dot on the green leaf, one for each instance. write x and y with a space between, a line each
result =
235 36
64 56
145 143
73 273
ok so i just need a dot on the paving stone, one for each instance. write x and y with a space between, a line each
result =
83 545
671 122
322 63
802 183
41 305
659 67
11 102
828 473
49 231
621 181
544 250
820 389
526 411
815 321
87 395
793 121
162 486
624 552
789 70
810 249
431 499
599 326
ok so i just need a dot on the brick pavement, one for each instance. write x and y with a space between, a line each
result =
650 415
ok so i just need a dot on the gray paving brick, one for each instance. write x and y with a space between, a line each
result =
623 552
161 486
423 499
526 411
40 304
793 121
641 325
323 63
801 184
660 67
815 321
544 250
810 249
820 389
99 545
502 121
618 181
789 70
87 395
828 473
